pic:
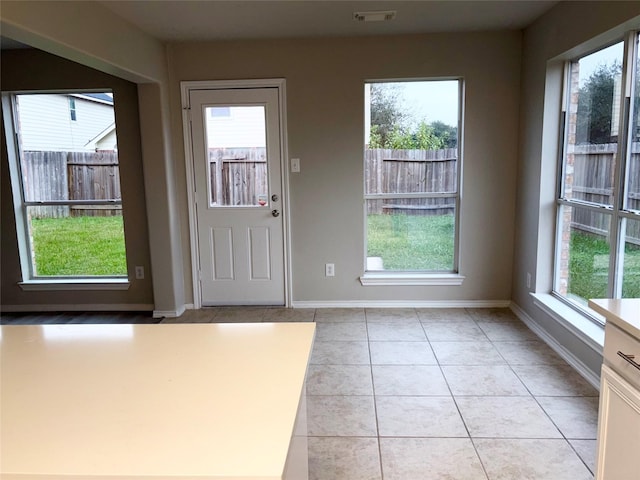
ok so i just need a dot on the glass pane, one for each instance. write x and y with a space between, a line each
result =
632 197
583 252
631 260
593 123
410 234
236 138
82 240
63 159
411 136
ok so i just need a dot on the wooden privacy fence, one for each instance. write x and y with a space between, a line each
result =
64 176
411 171
238 175
593 179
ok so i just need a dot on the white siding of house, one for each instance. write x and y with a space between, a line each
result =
46 125
108 142
243 128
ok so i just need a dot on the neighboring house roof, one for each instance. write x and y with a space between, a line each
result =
96 97
103 134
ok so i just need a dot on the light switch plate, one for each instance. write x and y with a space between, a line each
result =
295 165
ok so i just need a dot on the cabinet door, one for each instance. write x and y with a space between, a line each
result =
618 429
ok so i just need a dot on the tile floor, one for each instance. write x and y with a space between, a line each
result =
425 394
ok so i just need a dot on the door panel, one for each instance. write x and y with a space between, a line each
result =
236 152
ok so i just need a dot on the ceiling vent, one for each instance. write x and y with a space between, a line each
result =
380 16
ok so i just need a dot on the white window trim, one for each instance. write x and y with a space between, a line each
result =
411 279
109 283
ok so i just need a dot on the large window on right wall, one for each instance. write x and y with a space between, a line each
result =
598 223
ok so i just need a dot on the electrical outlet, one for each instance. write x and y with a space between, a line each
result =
329 270
139 272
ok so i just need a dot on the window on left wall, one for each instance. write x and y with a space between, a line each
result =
66 185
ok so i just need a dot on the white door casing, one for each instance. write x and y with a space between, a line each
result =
239 255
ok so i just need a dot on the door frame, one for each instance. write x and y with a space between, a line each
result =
186 88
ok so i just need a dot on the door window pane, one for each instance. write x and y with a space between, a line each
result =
236 144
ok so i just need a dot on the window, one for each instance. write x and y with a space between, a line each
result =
66 187
598 219
72 108
412 176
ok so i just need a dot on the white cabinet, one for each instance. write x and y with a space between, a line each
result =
619 414
619 429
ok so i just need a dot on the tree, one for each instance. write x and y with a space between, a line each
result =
386 112
595 106
447 133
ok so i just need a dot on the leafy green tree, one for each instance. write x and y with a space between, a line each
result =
447 133
386 112
595 106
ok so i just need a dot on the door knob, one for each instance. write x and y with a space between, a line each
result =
275 213
274 198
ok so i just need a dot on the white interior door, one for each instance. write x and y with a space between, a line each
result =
238 191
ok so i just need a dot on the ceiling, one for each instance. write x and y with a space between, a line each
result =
187 20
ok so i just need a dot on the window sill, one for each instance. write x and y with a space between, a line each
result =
75 284
408 279
585 329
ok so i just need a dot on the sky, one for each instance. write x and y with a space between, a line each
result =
424 100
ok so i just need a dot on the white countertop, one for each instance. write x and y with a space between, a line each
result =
150 401
624 313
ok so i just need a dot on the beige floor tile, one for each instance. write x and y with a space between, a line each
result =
402 353
203 315
240 314
396 331
506 417
467 353
289 315
530 459
528 353
341 331
587 451
493 315
341 416
430 458
339 380
340 353
576 417
507 331
495 380
419 417
444 315
344 458
554 381
408 380
390 314
339 315
454 332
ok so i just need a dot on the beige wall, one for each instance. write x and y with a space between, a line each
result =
92 35
325 106
36 70
569 29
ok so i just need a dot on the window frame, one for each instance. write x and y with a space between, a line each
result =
618 210
420 277
31 281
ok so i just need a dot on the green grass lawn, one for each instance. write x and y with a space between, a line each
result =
79 246
407 242
412 242
589 266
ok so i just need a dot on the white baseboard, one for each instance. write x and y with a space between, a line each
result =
172 313
402 304
589 375
79 307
